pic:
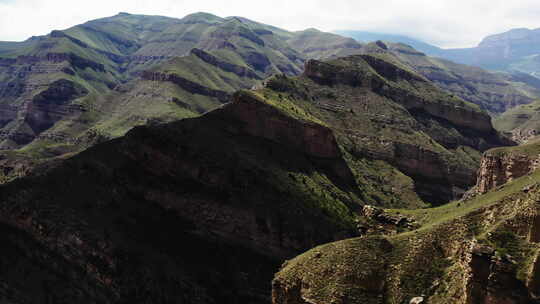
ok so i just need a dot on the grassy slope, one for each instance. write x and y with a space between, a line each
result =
491 91
320 45
531 148
109 113
524 117
425 261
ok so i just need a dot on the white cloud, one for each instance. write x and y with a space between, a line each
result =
447 23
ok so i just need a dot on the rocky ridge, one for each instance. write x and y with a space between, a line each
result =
148 69
493 92
449 121
497 170
484 253
243 212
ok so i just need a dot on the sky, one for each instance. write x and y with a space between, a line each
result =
445 23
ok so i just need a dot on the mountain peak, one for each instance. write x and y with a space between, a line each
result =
202 17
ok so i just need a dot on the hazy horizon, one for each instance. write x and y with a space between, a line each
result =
446 24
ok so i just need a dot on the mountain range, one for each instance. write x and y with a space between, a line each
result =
149 159
516 50
103 77
417 44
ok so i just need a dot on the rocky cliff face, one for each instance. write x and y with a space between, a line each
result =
497 170
268 122
500 166
53 104
37 92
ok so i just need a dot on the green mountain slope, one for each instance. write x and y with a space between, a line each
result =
111 74
367 37
134 69
383 111
203 210
477 251
493 92
522 122
315 44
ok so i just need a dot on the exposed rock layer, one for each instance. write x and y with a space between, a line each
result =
186 84
498 168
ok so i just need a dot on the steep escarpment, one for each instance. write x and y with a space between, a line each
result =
479 251
37 91
196 211
381 110
502 165
267 122
52 104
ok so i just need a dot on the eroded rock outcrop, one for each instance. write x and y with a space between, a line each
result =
53 104
501 166
493 279
268 122
31 103
374 221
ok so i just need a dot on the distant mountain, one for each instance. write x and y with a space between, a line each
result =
493 92
417 44
514 50
517 50
318 45
63 92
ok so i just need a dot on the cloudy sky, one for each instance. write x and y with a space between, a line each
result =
447 23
